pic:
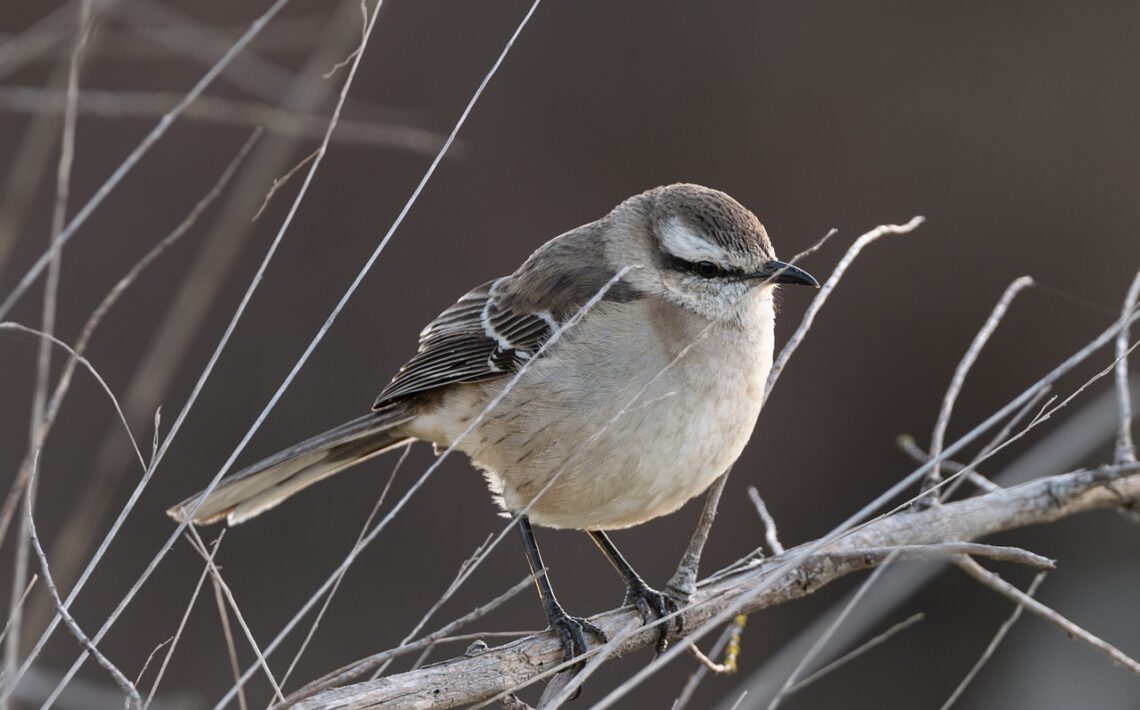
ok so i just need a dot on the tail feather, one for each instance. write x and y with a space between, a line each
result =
263 485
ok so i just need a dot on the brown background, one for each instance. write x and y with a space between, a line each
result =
1010 126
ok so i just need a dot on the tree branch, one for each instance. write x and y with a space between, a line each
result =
504 669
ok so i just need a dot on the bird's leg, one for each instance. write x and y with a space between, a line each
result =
650 603
571 629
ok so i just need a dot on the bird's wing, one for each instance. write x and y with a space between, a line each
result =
478 338
492 330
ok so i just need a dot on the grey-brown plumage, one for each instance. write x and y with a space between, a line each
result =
637 408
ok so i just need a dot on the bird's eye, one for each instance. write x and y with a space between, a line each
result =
706 269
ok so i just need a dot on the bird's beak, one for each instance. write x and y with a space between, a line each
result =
781 272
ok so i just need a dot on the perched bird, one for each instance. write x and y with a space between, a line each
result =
630 410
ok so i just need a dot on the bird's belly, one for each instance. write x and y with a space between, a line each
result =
638 452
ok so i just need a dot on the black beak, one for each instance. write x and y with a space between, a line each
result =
784 273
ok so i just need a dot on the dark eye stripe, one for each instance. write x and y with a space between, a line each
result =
704 269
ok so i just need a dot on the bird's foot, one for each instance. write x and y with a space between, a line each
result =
572 631
652 605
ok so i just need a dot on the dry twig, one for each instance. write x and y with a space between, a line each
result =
1070 629
771 534
1125 449
134 701
938 437
997 639
216 576
857 652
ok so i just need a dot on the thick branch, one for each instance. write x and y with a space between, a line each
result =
467 680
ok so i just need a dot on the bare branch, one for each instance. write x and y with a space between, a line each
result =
336 586
771 535
825 292
938 437
1125 449
997 639
857 652
686 694
734 630
120 105
182 623
216 575
23 598
121 680
816 647
910 447
43 361
1071 630
683 583
794 574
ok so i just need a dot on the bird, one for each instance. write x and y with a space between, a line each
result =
611 378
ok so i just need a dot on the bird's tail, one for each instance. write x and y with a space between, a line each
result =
253 490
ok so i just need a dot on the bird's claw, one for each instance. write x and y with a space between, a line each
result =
572 632
652 605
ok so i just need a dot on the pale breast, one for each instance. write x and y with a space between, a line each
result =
632 415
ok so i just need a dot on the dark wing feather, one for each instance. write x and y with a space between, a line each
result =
495 328
475 339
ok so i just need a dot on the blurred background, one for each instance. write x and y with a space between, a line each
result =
1010 126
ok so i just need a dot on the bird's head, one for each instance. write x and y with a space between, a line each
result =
699 248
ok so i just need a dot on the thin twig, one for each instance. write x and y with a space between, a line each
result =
1125 449
1000 440
278 183
1070 629
332 592
735 629
683 584
48 315
121 680
464 567
20 602
150 657
910 447
215 574
771 535
857 652
938 436
702 670
943 550
227 634
39 334
825 291
182 622
220 111
993 644
786 689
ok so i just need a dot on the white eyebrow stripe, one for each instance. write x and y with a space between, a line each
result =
682 242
